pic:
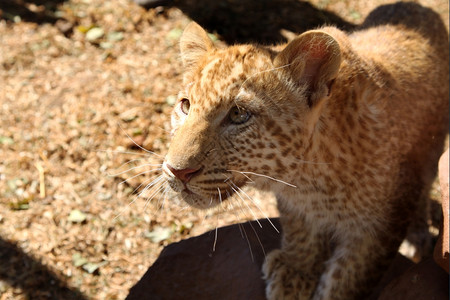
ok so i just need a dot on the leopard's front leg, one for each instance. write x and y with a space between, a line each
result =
284 281
355 267
310 266
293 271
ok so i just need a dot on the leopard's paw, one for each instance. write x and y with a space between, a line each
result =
283 281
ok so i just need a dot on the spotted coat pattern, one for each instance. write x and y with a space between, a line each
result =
345 129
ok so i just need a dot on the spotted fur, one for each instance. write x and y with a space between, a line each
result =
345 129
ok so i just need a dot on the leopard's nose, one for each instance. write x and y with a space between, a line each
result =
183 174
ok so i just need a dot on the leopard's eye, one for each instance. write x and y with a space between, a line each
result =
239 115
185 105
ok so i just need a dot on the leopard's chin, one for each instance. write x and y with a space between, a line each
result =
199 201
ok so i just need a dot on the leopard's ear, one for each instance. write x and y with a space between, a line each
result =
194 44
312 59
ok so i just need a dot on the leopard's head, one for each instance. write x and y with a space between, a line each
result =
244 112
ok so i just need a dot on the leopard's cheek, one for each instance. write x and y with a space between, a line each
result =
175 123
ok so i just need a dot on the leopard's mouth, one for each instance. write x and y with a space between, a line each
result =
205 192
202 198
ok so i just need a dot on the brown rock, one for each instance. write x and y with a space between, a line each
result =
191 269
424 281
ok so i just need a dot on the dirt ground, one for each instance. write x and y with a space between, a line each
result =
81 79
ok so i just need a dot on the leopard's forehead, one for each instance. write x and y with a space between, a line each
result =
224 74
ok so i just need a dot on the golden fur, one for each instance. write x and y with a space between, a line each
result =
345 129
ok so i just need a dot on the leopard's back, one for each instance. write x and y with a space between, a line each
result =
407 45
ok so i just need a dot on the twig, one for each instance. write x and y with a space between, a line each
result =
41 179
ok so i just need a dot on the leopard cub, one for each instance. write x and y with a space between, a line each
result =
345 129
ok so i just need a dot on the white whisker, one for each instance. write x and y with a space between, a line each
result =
182 208
144 182
139 146
215 239
210 201
265 176
123 210
142 173
124 152
151 184
240 229
163 129
244 212
148 186
257 237
164 195
251 181
132 161
254 216
137 196
131 169
258 207
244 232
248 241
155 192
220 196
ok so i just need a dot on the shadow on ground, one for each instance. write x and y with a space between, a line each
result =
19 270
247 21
38 11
